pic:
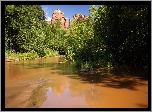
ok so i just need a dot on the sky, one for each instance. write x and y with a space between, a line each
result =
68 10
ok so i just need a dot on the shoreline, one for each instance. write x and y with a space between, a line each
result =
17 59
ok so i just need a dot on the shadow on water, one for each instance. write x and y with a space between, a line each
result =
120 77
48 82
142 105
116 78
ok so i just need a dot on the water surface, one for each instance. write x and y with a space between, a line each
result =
48 83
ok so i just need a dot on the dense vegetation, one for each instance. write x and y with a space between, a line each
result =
111 35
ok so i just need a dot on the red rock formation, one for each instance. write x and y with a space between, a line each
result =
66 22
58 15
62 21
79 17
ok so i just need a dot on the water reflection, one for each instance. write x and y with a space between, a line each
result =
48 83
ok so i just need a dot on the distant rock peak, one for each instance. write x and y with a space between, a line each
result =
65 22
79 17
58 15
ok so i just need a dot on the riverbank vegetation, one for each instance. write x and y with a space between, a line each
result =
110 36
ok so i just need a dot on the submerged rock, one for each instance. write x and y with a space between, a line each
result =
86 69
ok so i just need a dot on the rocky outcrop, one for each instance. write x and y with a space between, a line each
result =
58 15
79 17
65 22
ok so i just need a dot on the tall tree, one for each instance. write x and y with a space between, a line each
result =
23 25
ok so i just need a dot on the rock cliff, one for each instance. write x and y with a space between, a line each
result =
79 17
58 15
65 22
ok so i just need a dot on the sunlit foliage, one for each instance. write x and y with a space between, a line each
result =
23 25
112 34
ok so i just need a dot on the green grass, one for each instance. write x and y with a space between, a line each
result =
28 55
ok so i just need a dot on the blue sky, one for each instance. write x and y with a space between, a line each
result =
68 10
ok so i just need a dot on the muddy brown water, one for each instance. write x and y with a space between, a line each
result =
48 83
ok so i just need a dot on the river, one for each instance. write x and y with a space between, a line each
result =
53 83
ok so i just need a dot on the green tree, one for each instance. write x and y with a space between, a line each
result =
23 28
124 31
76 37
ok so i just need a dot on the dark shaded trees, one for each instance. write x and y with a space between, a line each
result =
124 31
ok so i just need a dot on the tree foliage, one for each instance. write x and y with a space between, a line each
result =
23 25
112 34
76 38
124 30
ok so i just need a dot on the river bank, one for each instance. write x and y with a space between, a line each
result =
12 56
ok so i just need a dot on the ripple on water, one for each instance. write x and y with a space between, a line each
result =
48 83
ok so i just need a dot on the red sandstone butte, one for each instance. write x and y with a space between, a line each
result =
58 15
79 17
